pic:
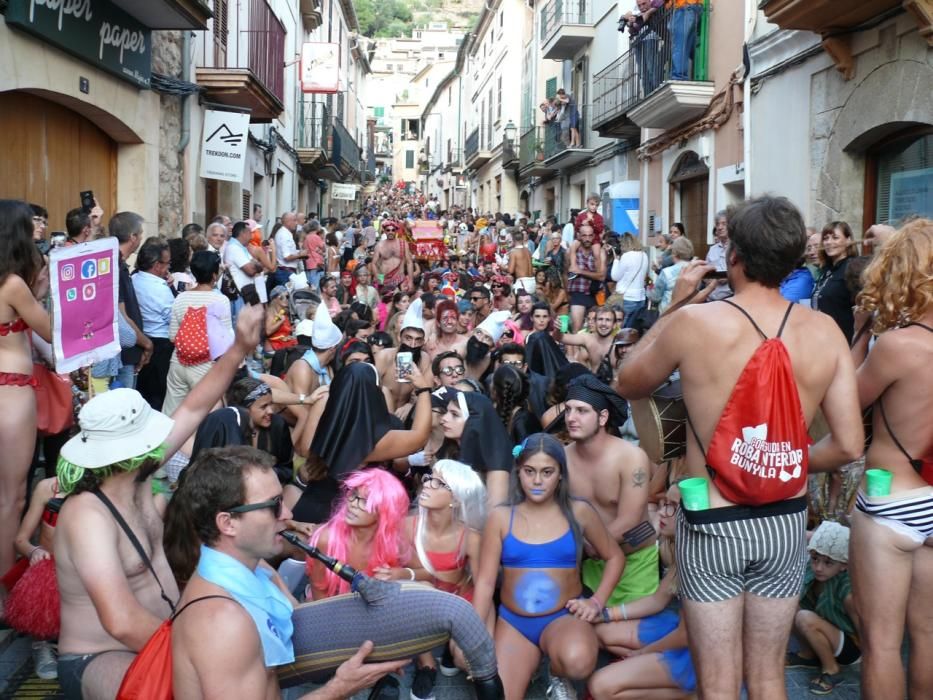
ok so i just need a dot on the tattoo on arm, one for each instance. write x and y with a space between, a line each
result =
639 534
639 478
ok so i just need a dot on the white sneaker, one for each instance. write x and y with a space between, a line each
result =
561 689
46 660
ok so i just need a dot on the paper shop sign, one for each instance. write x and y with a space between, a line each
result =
95 31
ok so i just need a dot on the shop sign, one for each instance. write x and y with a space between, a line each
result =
223 145
320 67
95 31
341 191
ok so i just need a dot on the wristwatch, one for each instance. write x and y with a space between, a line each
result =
301 399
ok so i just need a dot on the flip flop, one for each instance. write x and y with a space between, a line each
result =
825 683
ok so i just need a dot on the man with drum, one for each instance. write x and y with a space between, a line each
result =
741 561
613 475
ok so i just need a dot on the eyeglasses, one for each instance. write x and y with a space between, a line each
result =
667 508
459 370
276 505
513 363
477 298
434 482
357 500
40 220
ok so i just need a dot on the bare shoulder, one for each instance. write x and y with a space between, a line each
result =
627 456
497 518
84 511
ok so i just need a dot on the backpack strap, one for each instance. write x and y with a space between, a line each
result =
134 541
922 325
745 313
196 600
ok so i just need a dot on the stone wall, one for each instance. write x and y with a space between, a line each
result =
892 88
166 59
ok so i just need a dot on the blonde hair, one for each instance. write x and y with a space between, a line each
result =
898 283
630 243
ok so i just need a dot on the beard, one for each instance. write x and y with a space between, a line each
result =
476 351
415 352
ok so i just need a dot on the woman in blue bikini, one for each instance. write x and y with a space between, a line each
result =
538 541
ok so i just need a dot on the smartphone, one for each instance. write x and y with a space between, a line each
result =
250 295
58 238
716 275
87 200
403 363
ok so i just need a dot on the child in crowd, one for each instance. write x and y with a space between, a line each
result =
826 625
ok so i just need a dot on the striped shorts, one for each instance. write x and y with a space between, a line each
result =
724 552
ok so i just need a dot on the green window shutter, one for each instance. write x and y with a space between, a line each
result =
380 111
550 88
409 159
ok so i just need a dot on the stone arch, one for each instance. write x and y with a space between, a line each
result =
890 98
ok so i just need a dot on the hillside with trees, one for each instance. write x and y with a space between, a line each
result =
397 18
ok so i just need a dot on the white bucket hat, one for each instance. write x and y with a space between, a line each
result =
115 426
831 540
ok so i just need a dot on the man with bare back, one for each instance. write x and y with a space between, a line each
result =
392 258
115 583
411 341
891 557
613 475
520 267
741 560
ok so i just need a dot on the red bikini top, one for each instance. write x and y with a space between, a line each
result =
17 325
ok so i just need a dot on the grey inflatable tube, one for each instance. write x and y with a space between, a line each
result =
402 620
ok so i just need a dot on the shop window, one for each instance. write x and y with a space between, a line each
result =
899 178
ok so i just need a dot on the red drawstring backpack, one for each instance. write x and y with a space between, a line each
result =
191 346
760 447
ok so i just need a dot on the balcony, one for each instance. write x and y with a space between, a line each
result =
168 14
246 67
558 153
510 152
477 154
531 153
311 16
638 89
314 136
346 153
566 27
454 161
833 19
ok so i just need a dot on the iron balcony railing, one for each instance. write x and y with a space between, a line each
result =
558 13
510 150
531 146
345 147
472 144
647 65
314 126
570 131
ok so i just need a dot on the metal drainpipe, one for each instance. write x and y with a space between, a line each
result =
185 115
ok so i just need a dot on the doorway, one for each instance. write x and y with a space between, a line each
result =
689 199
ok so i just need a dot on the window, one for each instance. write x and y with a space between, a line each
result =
409 159
550 88
379 112
899 178
499 99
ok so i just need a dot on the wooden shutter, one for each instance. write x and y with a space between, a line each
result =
221 29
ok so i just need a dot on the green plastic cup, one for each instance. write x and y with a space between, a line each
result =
564 323
878 482
694 493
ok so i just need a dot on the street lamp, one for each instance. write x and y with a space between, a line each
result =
510 131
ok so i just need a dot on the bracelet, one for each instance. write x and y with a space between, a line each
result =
597 601
622 609
607 617
33 551
420 390
299 483
411 573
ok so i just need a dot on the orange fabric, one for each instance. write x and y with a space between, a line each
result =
684 3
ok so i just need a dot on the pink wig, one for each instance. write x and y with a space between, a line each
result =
389 500
517 336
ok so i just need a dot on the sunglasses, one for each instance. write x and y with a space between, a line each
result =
477 298
276 505
451 371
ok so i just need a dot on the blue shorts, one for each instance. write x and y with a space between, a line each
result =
677 661
530 627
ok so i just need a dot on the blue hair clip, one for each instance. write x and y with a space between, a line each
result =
516 451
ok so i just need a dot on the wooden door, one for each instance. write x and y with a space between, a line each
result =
51 154
694 198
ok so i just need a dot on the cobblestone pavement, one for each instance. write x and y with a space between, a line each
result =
17 679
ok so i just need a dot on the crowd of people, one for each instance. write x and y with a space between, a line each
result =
475 423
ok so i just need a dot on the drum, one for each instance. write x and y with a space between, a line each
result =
661 422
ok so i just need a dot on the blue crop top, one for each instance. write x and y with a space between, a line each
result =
556 554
